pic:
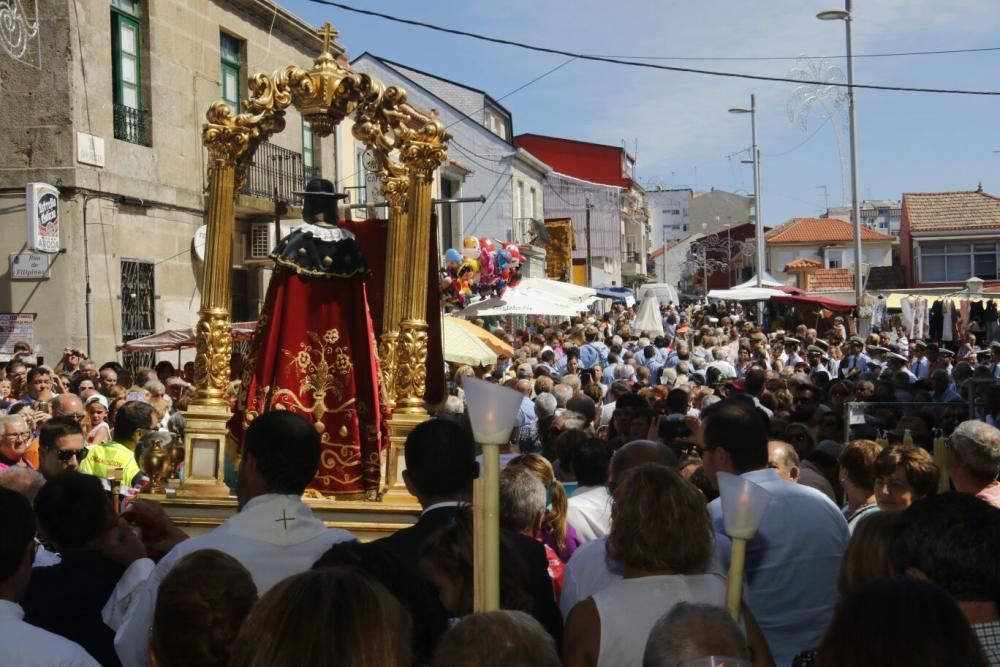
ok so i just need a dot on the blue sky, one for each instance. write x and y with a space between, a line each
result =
908 142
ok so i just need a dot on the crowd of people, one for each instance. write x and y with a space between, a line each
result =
614 551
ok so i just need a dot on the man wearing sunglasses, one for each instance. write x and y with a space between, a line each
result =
61 446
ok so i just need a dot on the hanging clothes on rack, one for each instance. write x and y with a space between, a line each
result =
947 326
991 319
963 319
919 318
907 304
937 320
977 316
879 313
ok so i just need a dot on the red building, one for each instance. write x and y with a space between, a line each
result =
722 250
610 165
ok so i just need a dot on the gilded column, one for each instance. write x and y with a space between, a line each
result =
421 158
206 433
396 192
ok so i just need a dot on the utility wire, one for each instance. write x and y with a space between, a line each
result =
939 52
646 65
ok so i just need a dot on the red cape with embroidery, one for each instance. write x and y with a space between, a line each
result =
314 353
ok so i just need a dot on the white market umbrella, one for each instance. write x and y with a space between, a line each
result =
522 302
465 343
745 294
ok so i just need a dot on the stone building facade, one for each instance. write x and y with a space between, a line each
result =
113 121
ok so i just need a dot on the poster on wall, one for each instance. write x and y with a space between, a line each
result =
15 328
42 202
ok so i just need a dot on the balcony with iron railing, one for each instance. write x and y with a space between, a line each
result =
527 230
132 125
277 172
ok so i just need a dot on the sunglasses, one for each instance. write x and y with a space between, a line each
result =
65 455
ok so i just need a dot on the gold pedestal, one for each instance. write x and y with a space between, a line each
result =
205 451
402 425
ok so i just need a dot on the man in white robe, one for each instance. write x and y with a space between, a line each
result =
274 534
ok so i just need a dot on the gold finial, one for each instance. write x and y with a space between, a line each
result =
328 33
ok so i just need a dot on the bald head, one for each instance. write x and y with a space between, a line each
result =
67 405
636 453
782 457
524 386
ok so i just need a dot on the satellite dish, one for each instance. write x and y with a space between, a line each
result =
198 243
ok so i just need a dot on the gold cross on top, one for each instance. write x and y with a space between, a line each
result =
328 33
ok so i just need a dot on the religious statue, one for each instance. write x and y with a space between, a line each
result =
314 350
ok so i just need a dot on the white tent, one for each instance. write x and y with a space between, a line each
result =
556 290
745 294
767 281
648 320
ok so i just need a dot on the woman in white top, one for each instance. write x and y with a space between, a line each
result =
662 535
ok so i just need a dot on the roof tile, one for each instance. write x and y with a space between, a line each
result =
803 263
820 230
830 280
949 211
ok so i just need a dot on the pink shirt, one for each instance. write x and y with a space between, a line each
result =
991 494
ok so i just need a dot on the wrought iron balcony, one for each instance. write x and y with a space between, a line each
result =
277 172
132 125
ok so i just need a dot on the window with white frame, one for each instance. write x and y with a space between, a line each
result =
957 262
519 200
532 202
834 258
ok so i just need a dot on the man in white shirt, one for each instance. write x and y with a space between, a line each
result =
21 644
792 562
589 510
274 534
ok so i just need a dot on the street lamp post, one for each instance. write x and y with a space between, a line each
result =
757 199
845 16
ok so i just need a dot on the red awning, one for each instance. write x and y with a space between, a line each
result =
818 301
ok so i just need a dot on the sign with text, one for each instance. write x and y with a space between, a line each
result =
42 202
29 266
15 328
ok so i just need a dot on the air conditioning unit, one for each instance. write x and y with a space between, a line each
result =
261 240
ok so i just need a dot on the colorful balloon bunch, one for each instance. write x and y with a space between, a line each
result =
483 266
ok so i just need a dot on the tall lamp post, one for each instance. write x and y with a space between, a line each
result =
845 16
758 208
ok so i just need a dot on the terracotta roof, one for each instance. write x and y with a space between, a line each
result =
663 248
830 280
945 211
803 264
821 230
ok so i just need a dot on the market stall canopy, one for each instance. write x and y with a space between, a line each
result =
818 301
648 320
556 290
466 343
176 339
618 295
516 301
894 300
746 294
767 281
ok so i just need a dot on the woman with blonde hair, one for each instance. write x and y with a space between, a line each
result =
556 531
335 616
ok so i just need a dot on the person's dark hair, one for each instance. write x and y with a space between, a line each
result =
899 622
591 463
56 428
741 429
18 531
867 554
572 353
754 381
200 606
501 637
385 567
285 447
113 365
35 371
630 401
954 539
131 417
677 400
548 357
440 458
73 509
319 617
583 405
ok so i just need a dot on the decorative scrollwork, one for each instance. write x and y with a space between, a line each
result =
214 347
411 364
387 368
16 30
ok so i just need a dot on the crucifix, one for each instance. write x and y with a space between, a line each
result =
328 33
284 519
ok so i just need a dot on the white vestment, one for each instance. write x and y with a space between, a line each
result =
273 536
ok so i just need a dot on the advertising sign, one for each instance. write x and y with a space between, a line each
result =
42 201
15 328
